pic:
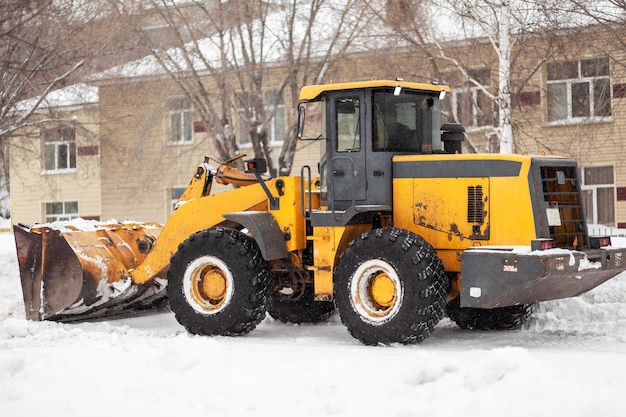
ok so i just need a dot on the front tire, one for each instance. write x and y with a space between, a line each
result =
390 287
218 283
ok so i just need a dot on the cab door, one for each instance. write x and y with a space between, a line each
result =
347 181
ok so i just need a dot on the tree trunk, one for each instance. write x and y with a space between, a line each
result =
5 190
504 80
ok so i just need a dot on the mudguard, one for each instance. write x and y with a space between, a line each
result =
265 230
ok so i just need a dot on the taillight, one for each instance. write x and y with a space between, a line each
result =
597 242
541 244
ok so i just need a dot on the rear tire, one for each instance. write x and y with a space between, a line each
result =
390 287
502 318
218 283
303 310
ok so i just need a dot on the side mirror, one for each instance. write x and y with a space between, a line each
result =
257 164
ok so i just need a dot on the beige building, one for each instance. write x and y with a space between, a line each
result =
130 154
575 106
55 166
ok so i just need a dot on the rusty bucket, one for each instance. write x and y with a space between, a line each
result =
73 274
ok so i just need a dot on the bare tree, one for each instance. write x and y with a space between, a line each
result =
36 59
47 45
412 25
510 29
492 19
607 15
238 45
527 31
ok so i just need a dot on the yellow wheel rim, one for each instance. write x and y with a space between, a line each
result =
376 291
208 285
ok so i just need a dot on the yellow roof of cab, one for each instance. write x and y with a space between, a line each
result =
311 92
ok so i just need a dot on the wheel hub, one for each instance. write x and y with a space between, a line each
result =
382 290
212 286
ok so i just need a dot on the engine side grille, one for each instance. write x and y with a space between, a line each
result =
475 205
561 191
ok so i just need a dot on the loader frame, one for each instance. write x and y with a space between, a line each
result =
399 227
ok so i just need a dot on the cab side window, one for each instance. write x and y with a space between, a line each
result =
399 122
348 122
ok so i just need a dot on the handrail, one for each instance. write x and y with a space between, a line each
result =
302 191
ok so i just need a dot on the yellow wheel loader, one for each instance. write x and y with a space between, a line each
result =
399 229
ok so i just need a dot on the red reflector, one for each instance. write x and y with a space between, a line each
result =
541 244
597 242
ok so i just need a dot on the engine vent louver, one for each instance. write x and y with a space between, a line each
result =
475 205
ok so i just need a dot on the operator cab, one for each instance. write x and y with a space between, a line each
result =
361 126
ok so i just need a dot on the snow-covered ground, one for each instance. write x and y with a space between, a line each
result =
569 361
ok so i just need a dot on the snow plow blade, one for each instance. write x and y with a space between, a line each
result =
503 277
69 274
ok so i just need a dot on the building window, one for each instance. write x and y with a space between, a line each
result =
599 195
181 123
277 124
275 129
175 194
59 149
579 90
61 210
471 106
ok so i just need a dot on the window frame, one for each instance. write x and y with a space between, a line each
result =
590 194
481 118
180 112
274 128
476 110
565 109
174 195
65 214
57 139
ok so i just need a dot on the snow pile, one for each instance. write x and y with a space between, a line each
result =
80 224
11 302
600 312
570 360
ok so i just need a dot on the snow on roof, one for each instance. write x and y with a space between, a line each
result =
73 95
268 43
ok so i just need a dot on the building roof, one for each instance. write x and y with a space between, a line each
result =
74 95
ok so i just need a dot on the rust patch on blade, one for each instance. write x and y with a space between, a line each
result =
28 246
